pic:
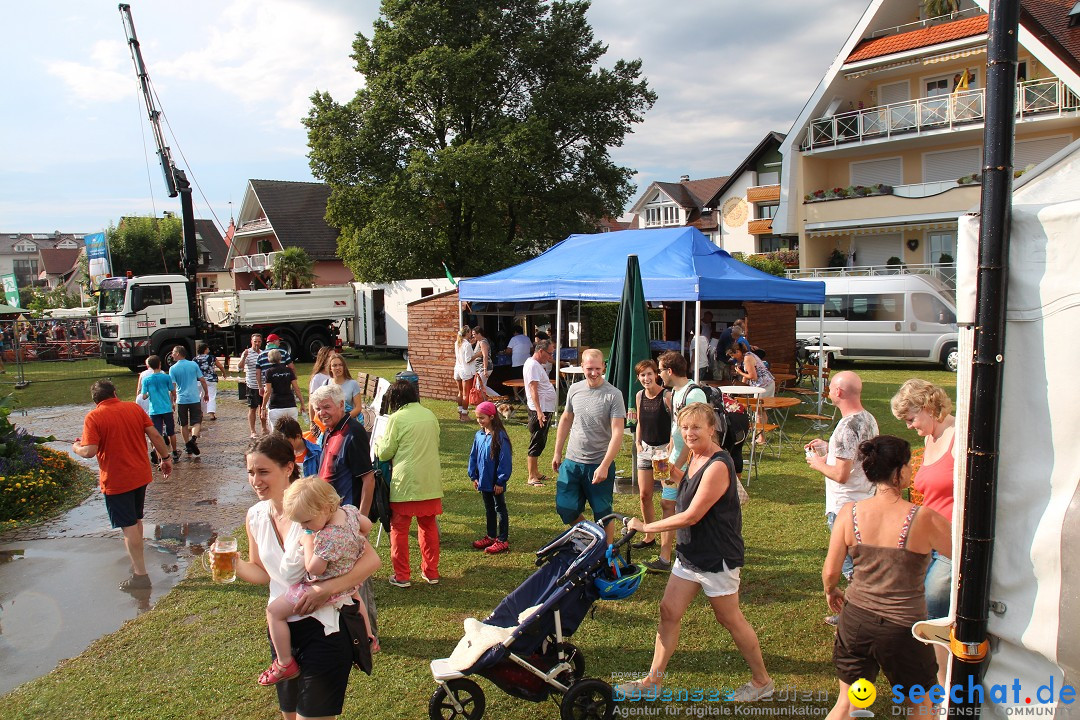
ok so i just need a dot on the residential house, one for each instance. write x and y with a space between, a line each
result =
20 254
668 204
60 268
275 215
748 199
886 154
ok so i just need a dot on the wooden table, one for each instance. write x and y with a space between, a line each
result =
517 385
782 378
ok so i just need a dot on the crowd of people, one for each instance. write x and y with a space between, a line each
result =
317 493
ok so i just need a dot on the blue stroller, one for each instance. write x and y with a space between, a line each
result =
535 660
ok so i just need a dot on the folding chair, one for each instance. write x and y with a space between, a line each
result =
753 405
817 424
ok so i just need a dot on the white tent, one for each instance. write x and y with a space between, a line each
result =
1034 622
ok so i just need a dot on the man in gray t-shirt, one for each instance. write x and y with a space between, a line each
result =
594 419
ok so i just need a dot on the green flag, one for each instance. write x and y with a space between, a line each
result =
449 276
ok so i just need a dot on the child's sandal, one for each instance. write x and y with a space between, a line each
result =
278 673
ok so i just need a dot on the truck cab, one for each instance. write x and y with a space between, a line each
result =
143 316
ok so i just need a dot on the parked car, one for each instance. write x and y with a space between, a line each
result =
907 318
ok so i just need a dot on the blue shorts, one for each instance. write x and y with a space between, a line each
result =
669 492
163 423
575 487
938 584
125 509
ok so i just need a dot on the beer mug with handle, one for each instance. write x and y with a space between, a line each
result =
223 557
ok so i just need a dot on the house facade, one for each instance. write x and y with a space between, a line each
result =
37 259
747 201
275 215
685 203
886 154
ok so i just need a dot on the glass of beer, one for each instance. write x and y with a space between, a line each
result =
223 557
660 469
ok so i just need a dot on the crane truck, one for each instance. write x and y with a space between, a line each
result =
151 314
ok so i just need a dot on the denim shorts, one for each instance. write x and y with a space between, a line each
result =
938 586
648 453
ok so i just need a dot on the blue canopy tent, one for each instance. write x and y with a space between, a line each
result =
677 264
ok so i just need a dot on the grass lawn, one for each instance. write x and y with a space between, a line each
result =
198 652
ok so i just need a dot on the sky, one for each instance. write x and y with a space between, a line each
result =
234 78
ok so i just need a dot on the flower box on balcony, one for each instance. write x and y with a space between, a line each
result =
851 191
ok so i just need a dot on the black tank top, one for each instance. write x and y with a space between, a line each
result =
655 420
716 539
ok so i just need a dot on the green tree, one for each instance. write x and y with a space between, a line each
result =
42 299
146 245
764 263
293 269
937 8
480 137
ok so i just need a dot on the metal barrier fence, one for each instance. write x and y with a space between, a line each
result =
55 362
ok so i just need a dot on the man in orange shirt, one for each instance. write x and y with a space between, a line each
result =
116 433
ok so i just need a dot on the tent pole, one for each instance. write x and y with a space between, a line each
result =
820 354
558 351
682 331
697 344
970 633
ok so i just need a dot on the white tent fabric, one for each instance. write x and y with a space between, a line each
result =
1035 574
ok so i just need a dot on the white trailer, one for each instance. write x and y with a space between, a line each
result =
381 321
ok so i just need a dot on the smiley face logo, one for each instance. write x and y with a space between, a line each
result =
862 693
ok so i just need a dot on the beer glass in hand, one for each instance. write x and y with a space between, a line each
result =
223 557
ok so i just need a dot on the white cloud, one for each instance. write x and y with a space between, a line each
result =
103 79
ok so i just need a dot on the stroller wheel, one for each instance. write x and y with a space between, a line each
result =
588 700
577 663
469 698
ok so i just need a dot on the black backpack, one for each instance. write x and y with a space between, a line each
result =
732 422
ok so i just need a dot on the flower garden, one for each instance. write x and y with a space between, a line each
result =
35 481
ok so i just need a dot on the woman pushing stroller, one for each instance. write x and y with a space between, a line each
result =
709 555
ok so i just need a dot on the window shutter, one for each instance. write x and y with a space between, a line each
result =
1033 152
950 164
889 171
894 93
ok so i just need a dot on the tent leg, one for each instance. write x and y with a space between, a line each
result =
697 345
820 356
558 349
682 330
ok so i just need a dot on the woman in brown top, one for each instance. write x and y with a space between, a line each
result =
890 542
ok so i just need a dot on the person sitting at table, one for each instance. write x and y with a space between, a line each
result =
753 371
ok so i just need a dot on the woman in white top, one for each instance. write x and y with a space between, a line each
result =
464 370
275 558
320 371
354 394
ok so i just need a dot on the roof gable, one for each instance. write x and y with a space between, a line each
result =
58 261
297 213
209 240
771 141
1048 21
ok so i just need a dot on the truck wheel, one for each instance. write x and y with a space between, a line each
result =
314 341
288 340
166 355
950 357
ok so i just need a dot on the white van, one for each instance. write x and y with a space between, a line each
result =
908 318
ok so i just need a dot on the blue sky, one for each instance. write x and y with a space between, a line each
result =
234 78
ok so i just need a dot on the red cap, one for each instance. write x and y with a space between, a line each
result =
272 338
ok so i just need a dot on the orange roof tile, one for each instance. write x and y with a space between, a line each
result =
924 37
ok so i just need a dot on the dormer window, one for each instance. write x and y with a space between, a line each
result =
26 247
660 211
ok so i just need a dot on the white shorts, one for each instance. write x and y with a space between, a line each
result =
648 453
715 584
275 414
464 373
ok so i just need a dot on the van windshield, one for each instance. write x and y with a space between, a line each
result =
111 299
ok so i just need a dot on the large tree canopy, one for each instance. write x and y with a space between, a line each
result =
481 136
146 245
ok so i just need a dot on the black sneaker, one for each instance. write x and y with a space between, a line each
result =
659 565
175 455
194 447
153 457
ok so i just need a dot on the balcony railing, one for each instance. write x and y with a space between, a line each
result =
1033 98
761 226
946 272
254 263
763 193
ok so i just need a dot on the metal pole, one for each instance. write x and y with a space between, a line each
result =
558 351
20 379
697 341
682 330
969 635
820 355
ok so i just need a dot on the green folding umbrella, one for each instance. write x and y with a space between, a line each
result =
631 342
8 310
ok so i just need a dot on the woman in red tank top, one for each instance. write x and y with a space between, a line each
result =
926 409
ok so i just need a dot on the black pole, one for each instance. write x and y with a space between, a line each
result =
980 498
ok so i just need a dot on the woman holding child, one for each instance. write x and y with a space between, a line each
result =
275 559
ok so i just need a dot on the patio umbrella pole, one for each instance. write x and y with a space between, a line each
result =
969 634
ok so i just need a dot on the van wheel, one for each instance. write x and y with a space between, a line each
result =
314 341
950 357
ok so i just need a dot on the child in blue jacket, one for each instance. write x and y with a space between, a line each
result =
490 465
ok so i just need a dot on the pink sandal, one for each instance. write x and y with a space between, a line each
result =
278 673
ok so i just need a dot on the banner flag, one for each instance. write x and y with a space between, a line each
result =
11 289
97 255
